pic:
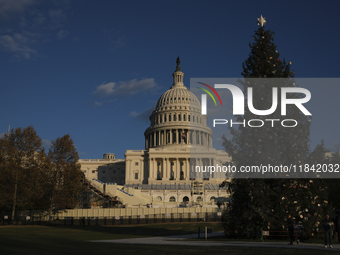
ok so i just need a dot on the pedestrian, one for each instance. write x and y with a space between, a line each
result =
328 227
290 224
337 226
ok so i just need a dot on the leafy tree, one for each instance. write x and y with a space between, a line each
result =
30 179
265 203
65 174
21 172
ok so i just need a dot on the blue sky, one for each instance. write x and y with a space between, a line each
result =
95 69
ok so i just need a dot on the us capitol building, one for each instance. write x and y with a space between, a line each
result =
163 174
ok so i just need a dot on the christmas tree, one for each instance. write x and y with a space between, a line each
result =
264 203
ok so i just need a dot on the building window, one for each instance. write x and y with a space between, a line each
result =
93 171
158 199
84 171
122 182
123 171
103 179
172 199
103 171
182 175
172 175
159 175
136 163
185 199
136 176
114 171
212 199
199 199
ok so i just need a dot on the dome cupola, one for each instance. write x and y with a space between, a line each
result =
177 118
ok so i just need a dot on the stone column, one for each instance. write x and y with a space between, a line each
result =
178 169
154 170
141 174
187 168
151 169
127 171
165 169
170 136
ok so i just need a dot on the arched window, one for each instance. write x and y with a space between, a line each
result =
158 199
160 119
164 118
169 117
159 175
189 117
185 199
212 199
174 117
193 118
199 199
183 117
172 199
179 117
172 177
182 175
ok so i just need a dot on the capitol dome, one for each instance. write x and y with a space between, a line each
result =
177 118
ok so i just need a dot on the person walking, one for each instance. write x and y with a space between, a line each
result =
328 227
290 224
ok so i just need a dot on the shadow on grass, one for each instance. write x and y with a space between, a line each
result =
135 231
32 240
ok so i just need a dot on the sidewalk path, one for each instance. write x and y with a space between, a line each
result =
180 240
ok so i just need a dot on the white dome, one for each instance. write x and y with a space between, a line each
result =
178 96
177 118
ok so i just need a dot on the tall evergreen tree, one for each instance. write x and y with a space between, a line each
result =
265 203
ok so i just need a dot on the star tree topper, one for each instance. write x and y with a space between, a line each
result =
261 21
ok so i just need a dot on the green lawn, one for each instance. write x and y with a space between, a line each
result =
29 240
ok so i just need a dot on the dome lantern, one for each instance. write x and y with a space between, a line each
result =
178 76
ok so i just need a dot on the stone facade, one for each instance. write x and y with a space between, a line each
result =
177 141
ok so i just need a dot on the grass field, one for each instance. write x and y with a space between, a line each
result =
52 240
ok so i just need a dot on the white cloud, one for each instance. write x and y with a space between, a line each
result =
335 147
28 23
46 143
17 44
10 7
62 34
144 116
57 17
98 103
125 88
